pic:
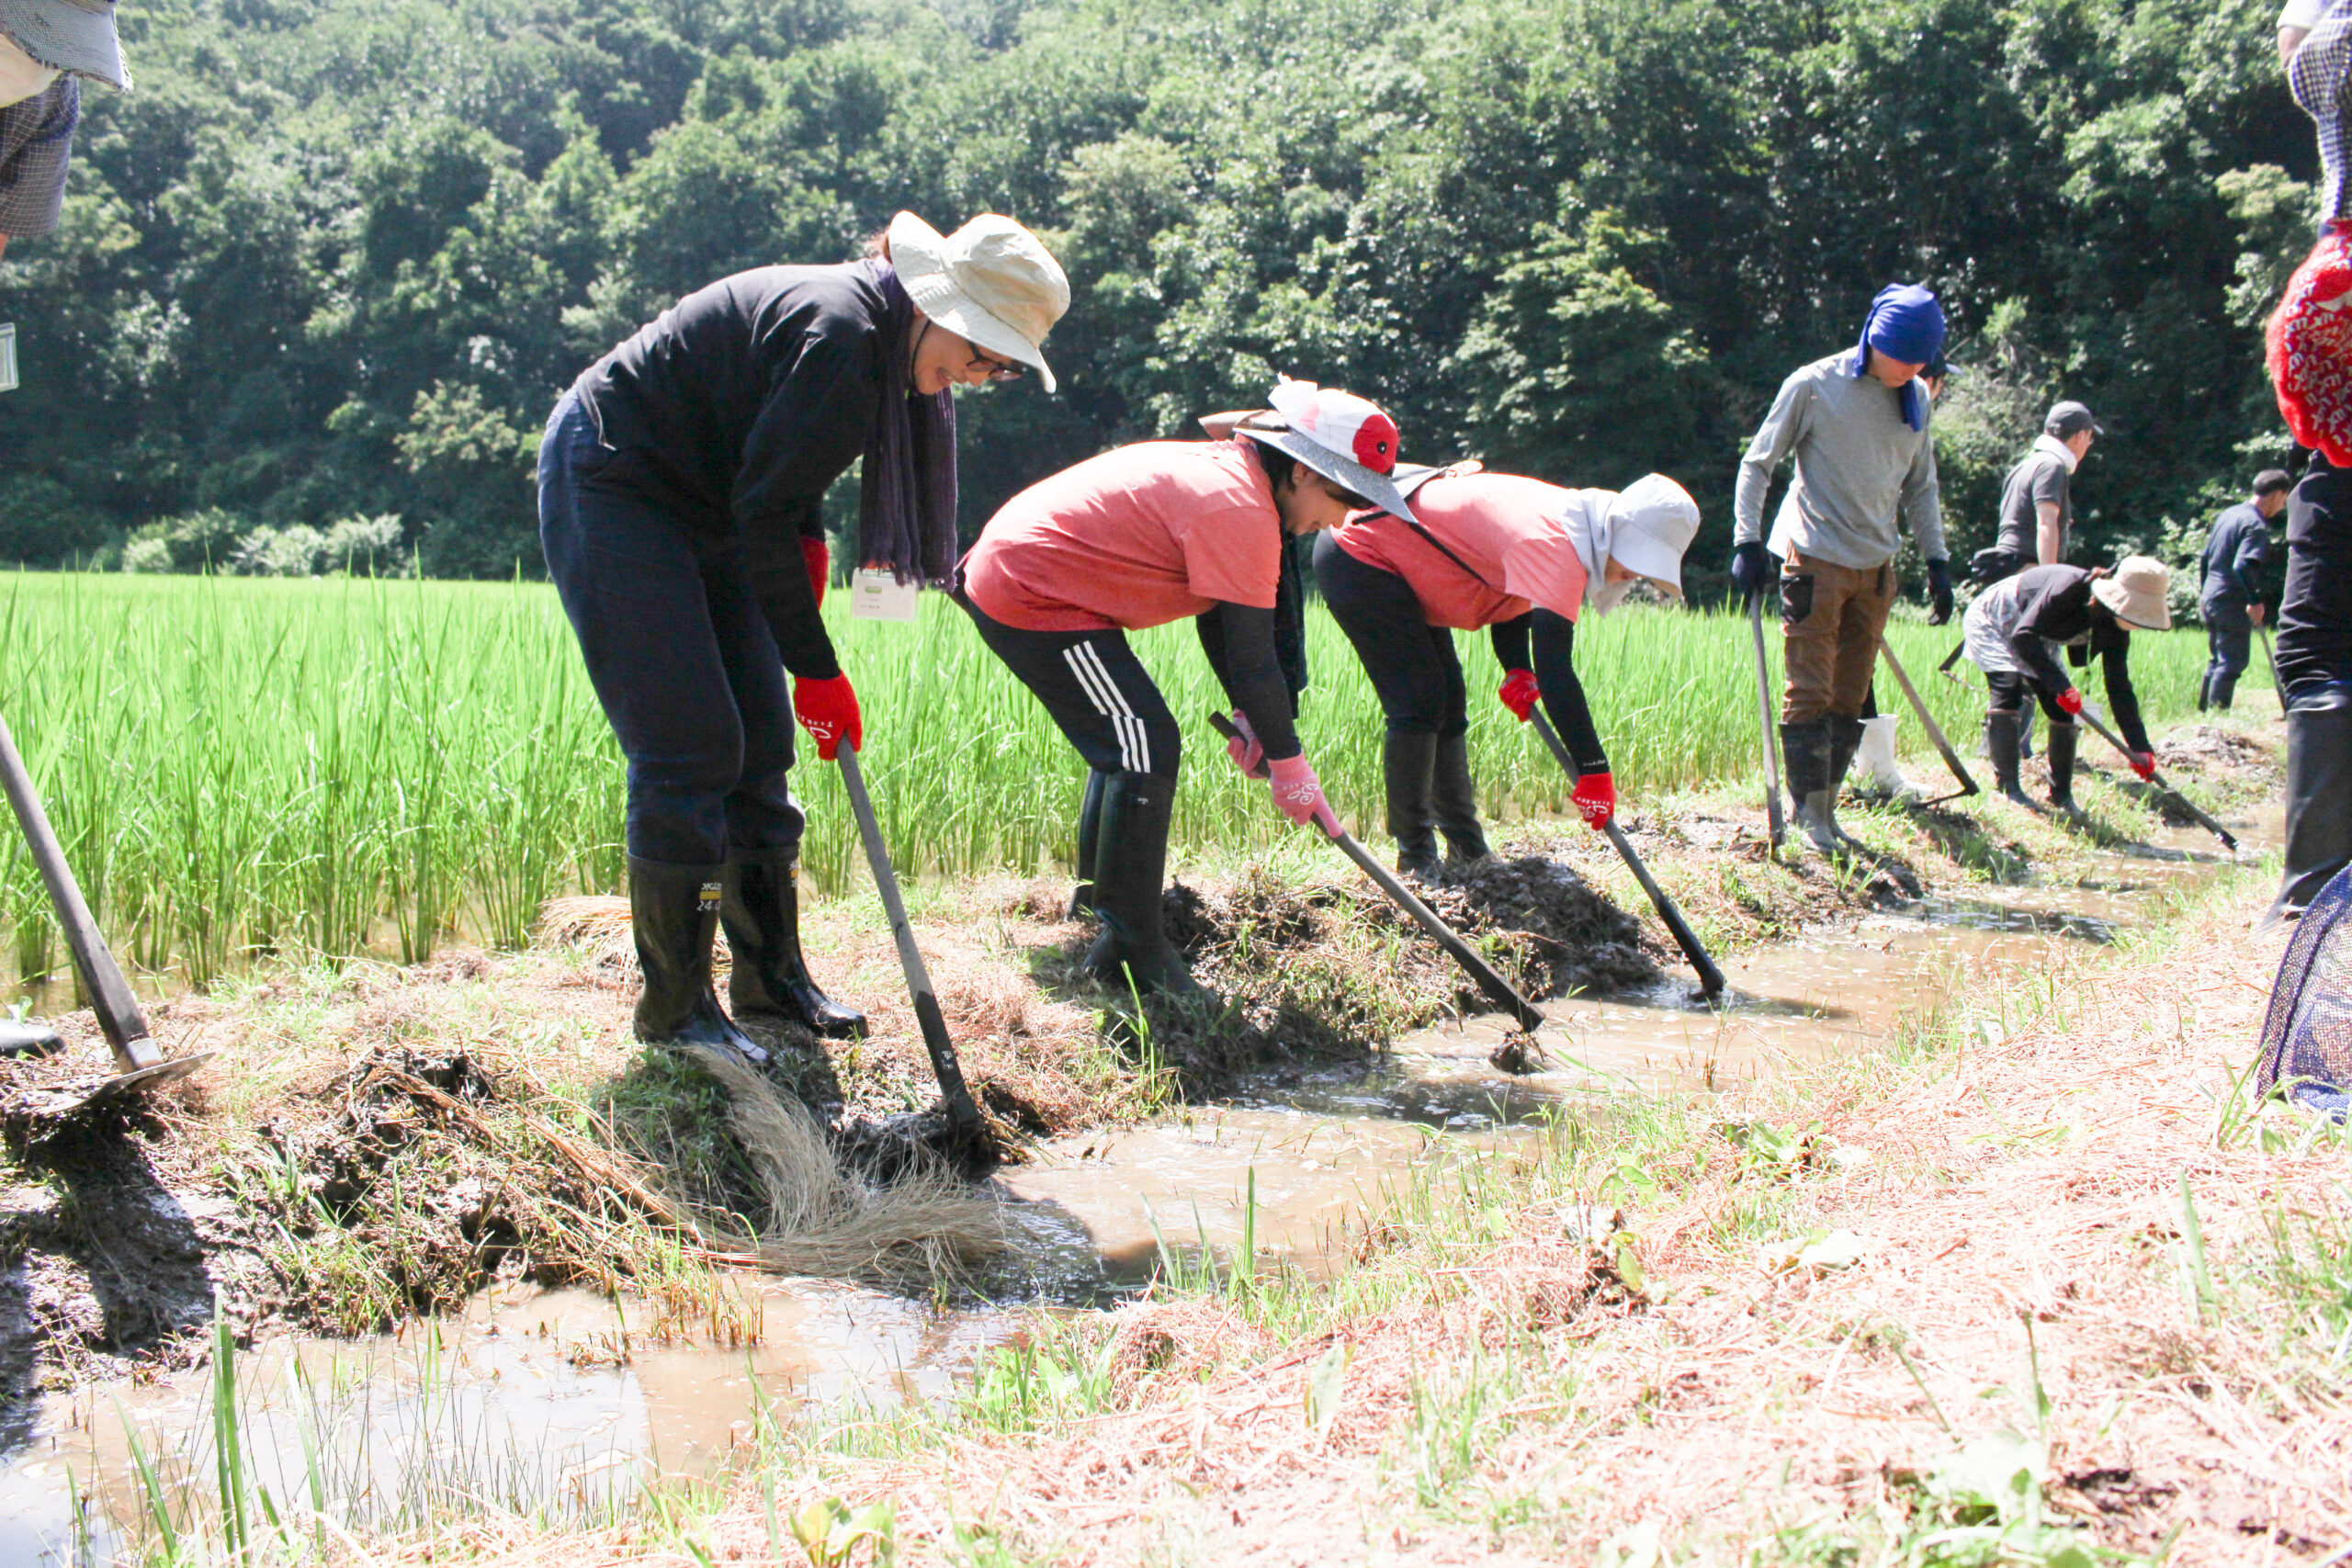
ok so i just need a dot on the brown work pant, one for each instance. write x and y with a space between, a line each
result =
1831 618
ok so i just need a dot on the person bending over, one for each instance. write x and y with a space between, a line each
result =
1515 555
1141 536
2009 632
1856 425
2234 551
680 488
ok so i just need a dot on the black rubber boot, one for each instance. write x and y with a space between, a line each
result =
763 915
1089 826
674 915
2205 689
2060 754
1845 740
1805 751
1130 871
2319 799
1453 798
28 1040
2220 691
2025 729
2001 746
1408 769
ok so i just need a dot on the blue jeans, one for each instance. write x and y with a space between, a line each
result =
680 654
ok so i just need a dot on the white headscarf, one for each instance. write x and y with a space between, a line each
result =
1645 526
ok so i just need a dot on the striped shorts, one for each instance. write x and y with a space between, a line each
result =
1097 690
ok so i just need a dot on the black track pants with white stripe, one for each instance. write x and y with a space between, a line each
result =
1096 690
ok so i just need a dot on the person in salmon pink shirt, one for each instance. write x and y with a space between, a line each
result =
1141 536
1523 559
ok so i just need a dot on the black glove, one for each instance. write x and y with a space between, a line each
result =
1751 568
1939 591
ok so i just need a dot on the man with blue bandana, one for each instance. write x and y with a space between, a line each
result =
1856 425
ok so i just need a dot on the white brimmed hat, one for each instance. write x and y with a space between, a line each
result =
1343 437
990 282
72 36
1651 523
2138 593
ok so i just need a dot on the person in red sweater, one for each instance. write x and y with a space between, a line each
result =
1139 536
1514 555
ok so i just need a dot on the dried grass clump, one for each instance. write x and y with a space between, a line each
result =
927 1224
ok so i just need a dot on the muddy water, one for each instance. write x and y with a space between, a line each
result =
553 1400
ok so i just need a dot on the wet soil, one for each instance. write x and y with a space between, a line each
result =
404 1116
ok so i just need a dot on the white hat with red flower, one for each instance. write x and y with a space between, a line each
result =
1339 435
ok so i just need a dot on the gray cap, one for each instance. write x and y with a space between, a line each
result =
2065 419
74 36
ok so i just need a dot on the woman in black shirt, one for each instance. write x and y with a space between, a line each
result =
681 482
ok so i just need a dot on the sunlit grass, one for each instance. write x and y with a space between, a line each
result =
242 766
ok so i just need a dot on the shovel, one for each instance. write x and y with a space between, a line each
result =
139 1061
2270 657
1710 980
2090 717
1764 714
1501 992
971 1145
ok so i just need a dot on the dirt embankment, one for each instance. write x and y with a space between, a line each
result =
373 1142
2037 1297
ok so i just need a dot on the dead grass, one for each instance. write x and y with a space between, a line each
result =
1745 1406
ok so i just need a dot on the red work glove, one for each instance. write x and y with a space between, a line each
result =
1596 798
820 565
2071 700
1518 692
1298 793
828 711
1247 754
2145 764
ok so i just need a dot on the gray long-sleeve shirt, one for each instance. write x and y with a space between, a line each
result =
1859 463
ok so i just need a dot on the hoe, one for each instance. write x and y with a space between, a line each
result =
139 1062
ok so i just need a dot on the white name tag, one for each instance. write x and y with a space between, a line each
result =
7 357
878 596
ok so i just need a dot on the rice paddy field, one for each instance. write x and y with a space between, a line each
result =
242 766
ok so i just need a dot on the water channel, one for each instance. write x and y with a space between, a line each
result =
535 1395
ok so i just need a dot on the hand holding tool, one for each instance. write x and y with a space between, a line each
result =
1938 592
828 711
2090 716
1778 826
1243 750
1499 991
138 1059
974 1147
1518 693
1710 978
1298 793
1928 722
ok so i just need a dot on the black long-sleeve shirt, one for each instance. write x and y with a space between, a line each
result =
1553 662
735 410
2315 607
2234 551
2056 606
1240 640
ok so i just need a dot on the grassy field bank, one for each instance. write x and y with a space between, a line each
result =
345 766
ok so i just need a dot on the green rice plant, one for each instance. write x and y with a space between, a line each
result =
245 766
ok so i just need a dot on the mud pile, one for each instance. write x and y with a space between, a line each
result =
1559 936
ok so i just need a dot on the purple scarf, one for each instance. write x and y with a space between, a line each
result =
906 506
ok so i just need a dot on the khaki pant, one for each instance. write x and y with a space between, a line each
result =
1831 618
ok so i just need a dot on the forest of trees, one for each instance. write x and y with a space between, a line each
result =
327 268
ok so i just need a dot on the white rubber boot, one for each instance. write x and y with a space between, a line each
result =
1874 758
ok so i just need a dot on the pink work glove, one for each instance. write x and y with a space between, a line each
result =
819 561
1247 754
828 711
2145 764
1518 692
2071 700
1596 798
1298 793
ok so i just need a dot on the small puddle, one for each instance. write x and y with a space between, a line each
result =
550 1400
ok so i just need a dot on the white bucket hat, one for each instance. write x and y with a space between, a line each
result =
990 282
2138 593
74 36
1345 438
1652 522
